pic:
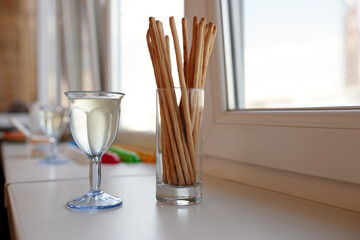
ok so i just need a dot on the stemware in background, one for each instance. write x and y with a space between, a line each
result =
51 121
94 119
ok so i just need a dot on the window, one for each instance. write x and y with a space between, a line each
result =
136 74
292 54
310 153
101 45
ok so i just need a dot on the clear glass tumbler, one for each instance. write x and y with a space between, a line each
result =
178 145
94 120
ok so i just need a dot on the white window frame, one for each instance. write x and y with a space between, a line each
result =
314 154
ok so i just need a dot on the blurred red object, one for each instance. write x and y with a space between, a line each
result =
14 135
110 158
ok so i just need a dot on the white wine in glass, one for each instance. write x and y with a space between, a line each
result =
94 119
51 121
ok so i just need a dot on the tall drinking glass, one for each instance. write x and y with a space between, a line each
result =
51 121
94 118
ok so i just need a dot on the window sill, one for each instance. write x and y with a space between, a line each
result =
140 139
336 193
228 211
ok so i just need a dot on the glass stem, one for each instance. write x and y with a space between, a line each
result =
54 147
95 173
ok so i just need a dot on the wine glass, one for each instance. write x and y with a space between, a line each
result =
51 121
94 118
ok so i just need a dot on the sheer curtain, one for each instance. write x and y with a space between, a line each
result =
73 47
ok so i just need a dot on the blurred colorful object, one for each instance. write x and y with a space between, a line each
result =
14 136
125 155
146 155
110 158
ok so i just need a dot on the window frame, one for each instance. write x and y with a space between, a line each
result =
308 153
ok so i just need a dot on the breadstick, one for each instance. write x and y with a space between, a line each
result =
152 56
207 58
165 120
213 38
198 68
199 54
170 170
174 147
184 98
185 48
166 178
206 52
167 41
176 118
163 84
171 99
190 71
180 124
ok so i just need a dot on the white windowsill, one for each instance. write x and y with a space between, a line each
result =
227 211
336 193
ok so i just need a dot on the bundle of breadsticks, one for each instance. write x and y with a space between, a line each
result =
180 123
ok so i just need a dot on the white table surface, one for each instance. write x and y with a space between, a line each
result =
18 166
228 211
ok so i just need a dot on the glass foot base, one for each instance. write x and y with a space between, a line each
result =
51 160
178 195
94 200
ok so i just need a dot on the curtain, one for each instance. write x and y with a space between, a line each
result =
72 50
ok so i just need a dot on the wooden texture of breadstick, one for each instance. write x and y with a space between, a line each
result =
199 54
190 71
206 55
209 44
185 48
171 99
165 167
170 158
213 39
184 98
165 51
167 157
180 125
169 143
176 120
198 116
166 177
164 79
186 61
198 68
174 174
152 56
167 41
174 146
191 67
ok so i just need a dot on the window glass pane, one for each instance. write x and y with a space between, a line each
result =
297 54
136 73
